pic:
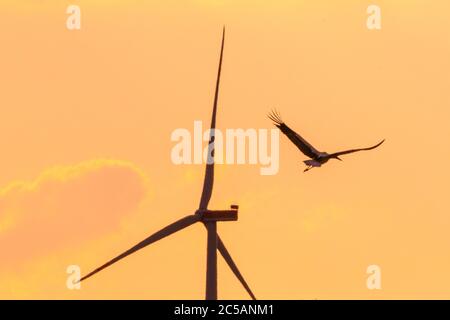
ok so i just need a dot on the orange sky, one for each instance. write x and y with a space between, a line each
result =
85 124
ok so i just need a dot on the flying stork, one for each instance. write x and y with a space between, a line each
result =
318 158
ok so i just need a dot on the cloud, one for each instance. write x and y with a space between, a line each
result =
66 206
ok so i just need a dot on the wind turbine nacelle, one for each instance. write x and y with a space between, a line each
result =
220 215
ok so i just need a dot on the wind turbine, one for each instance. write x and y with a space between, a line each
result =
209 218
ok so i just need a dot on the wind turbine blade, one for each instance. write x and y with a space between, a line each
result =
167 231
226 255
209 174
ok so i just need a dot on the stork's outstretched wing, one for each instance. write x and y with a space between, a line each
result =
337 154
297 139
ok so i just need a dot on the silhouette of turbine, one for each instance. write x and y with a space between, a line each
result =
209 218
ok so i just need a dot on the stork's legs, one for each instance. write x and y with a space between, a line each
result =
307 169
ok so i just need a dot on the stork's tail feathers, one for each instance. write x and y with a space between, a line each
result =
275 117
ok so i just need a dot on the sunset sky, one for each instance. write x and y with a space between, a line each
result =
86 118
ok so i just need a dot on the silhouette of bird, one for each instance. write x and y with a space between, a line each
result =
318 158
